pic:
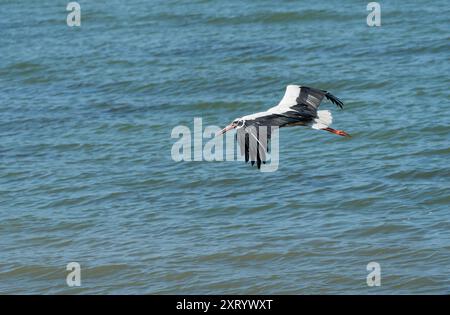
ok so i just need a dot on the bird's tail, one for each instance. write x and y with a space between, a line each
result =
323 120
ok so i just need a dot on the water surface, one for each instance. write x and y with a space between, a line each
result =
86 173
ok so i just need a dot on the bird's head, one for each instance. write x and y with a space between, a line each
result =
237 123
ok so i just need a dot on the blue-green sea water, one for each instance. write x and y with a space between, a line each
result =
86 173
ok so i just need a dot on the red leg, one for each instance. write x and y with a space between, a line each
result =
337 132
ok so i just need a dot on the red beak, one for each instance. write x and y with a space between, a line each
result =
227 128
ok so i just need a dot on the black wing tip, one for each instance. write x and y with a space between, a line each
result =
334 100
258 163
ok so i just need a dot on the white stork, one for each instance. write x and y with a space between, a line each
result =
297 108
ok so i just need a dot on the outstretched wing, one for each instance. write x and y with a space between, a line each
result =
303 102
254 142
254 136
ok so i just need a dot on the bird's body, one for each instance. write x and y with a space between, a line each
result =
298 107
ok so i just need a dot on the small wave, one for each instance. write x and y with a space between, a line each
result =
21 69
277 17
419 174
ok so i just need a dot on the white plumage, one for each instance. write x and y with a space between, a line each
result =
324 119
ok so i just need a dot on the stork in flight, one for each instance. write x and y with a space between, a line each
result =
297 108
